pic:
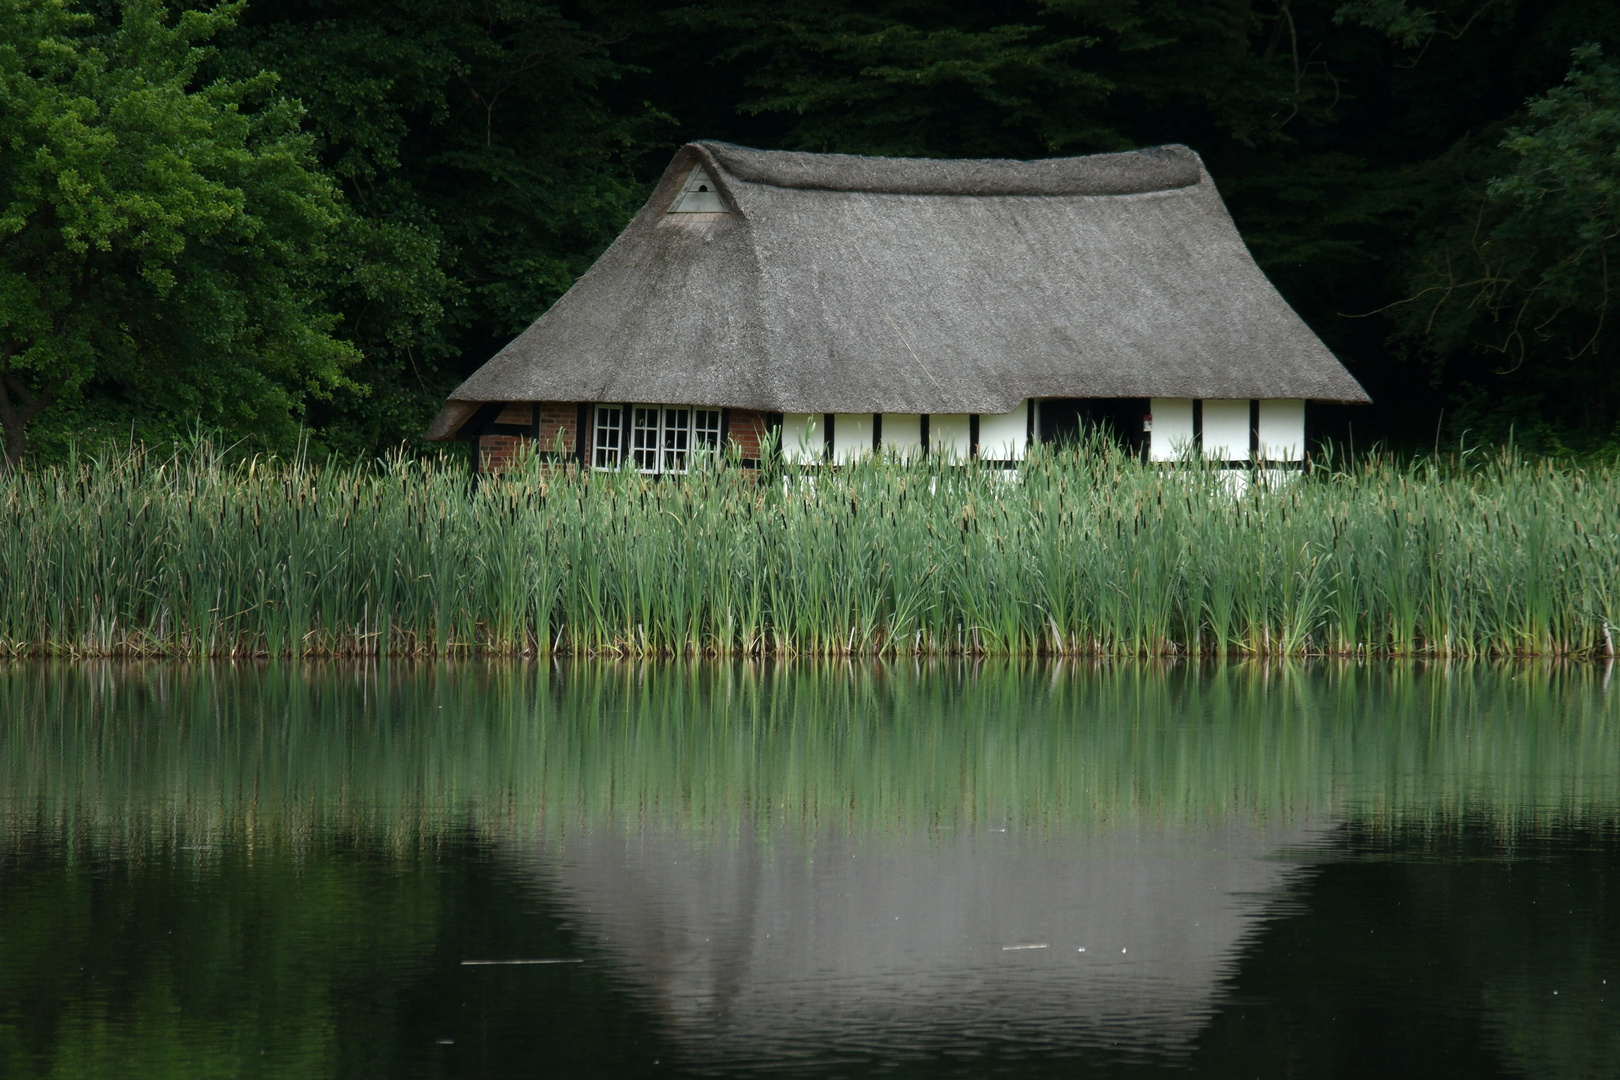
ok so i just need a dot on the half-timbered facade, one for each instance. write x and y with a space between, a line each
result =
848 305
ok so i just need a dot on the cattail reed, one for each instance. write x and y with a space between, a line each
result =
1080 552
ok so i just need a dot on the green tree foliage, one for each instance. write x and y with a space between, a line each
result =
903 80
1524 289
162 238
474 147
981 79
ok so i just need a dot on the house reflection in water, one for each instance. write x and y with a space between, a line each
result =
771 947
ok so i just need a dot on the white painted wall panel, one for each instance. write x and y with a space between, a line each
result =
1004 436
1226 430
1282 430
1172 428
802 438
852 436
902 433
949 436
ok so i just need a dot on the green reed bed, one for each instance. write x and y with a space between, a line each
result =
1086 552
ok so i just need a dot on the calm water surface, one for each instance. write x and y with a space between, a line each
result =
817 870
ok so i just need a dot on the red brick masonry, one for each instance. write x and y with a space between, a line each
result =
558 420
495 452
747 430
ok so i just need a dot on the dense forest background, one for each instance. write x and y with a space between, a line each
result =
312 218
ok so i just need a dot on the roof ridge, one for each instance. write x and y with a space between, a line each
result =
1132 172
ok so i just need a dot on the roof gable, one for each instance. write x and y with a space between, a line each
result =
698 195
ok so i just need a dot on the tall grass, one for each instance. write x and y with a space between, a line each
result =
1087 552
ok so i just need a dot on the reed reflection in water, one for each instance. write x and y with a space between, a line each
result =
818 867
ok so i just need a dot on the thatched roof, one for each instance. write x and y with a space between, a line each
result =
851 284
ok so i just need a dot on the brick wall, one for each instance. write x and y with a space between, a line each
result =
747 430
495 452
558 419
516 412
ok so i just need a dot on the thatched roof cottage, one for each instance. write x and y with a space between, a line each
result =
964 307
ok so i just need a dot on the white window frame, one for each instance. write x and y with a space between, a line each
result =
646 430
654 439
608 455
706 430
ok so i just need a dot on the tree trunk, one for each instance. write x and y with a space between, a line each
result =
17 408
15 432
16 444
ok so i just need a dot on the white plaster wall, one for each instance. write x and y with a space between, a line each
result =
949 436
1172 428
1226 430
1282 430
802 438
902 433
852 436
1004 436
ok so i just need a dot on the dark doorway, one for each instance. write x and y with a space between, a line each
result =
1062 420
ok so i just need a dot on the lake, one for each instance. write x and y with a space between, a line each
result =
603 869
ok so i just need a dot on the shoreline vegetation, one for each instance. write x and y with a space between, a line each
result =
1082 552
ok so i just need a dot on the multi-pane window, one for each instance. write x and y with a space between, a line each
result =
677 439
609 438
706 429
644 437
660 439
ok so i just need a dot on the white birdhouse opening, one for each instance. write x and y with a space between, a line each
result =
698 195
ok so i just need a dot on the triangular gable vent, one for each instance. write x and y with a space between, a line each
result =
698 196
